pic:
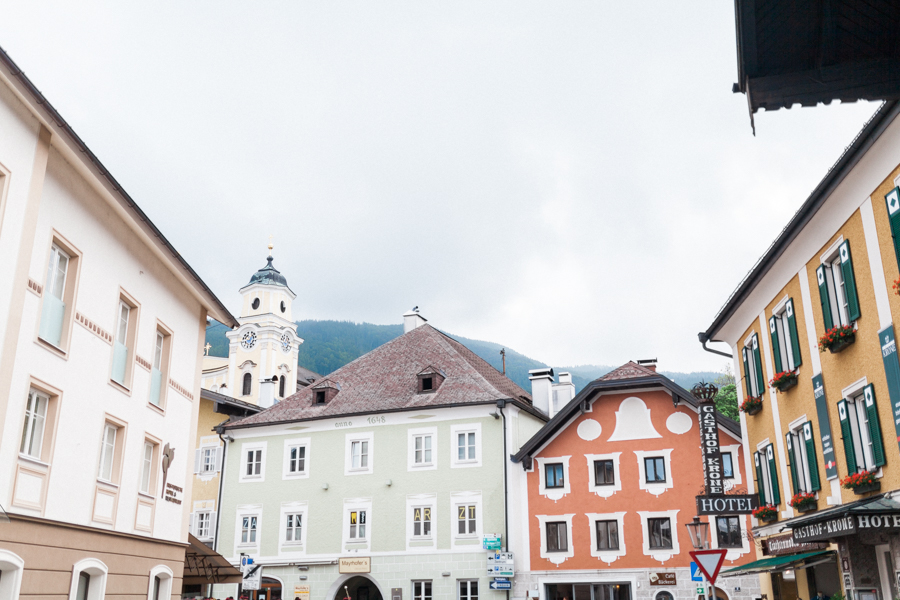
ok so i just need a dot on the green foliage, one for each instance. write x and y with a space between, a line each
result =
726 401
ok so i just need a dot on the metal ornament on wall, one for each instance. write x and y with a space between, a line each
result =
168 455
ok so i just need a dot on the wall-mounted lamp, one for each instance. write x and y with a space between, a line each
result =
324 486
495 414
302 578
445 574
228 438
388 483
303 567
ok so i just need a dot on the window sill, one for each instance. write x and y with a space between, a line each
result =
33 460
158 409
119 386
110 484
357 541
247 546
62 353
654 549
468 536
149 496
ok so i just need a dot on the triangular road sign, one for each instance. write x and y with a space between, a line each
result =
709 561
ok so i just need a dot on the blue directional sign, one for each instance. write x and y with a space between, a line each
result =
696 575
501 584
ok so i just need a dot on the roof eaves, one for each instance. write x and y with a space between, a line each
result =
221 314
218 398
867 136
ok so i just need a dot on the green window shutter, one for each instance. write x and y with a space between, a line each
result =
747 373
773 472
847 437
760 384
776 347
792 456
892 199
813 464
792 326
760 488
823 297
849 281
874 425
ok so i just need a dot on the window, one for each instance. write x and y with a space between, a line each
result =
728 530
586 591
53 310
357 524
147 467
660 531
281 383
208 459
320 397
837 288
293 527
861 431
84 586
553 475
202 525
297 459
727 466
422 521
753 368
248 530
767 476
557 539
254 462
248 384
108 452
421 590
604 472
359 455
465 446
160 368
607 535
35 422
785 343
123 343
468 589
465 519
422 451
427 384
157 585
655 469
801 453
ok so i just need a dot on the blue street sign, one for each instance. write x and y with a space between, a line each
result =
696 575
501 585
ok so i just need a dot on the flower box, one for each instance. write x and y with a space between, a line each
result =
766 513
867 489
752 405
837 339
784 381
861 483
806 508
803 502
768 518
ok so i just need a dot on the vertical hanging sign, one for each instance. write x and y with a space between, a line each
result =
891 372
825 427
712 457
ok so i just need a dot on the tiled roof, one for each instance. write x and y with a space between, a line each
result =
385 380
306 374
629 370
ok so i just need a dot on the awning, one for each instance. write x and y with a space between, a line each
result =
775 564
204 565
881 513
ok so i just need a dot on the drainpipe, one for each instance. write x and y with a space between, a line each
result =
219 501
705 338
500 405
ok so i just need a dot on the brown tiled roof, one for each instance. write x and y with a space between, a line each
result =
629 370
385 379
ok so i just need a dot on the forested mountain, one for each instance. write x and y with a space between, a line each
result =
329 345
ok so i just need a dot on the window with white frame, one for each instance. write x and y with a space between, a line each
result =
297 459
203 525
108 452
861 430
727 466
35 421
553 476
208 459
607 535
465 445
121 344
557 536
753 377
837 287
801 453
421 516
293 527
147 467
53 307
248 529
421 590
468 589
422 449
357 523
160 367
253 462
767 475
466 519
785 343
359 453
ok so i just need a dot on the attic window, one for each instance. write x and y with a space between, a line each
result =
427 384
320 397
429 380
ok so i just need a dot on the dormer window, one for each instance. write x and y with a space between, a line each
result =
324 392
429 380
320 397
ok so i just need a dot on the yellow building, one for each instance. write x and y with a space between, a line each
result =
811 331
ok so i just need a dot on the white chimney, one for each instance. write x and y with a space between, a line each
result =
541 388
267 392
413 319
563 392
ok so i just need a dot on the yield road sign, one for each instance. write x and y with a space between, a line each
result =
709 562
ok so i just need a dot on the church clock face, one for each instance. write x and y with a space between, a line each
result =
249 340
286 342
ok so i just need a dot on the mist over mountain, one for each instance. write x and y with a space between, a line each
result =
329 345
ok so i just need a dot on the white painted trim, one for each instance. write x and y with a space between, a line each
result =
350 505
466 498
557 558
761 445
782 304
12 566
165 575
422 501
607 556
876 267
733 450
411 434
798 422
811 338
553 493
246 447
831 253
854 388
662 555
286 458
361 436
455 430
604 491
293 547
98 572
248 510
655 488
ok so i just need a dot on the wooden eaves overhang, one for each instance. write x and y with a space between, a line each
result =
71 146
810 51
869 134
590 393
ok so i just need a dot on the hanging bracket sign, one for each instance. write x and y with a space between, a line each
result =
712 457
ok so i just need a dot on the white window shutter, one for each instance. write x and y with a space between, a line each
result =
220 455
197 459
212 525
192 528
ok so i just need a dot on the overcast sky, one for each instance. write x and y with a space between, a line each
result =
572 179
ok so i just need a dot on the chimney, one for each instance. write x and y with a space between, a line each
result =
563 392
648 363
267 392
413 319
542 388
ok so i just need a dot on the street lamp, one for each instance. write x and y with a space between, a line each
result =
699 532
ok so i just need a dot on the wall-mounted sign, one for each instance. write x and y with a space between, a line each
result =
354 565
891 371
777 545
727 505
492 541
501 564
173 493
666 578
824 428
396 593
849 525
301 591
709 443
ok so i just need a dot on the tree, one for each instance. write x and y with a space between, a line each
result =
726 399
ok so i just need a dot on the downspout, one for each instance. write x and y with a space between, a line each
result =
221 483
500 405
705 338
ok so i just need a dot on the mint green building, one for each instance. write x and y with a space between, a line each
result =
380 480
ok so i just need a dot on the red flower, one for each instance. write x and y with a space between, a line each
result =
765 512
750 403
782 377
835 335
801 499
851 482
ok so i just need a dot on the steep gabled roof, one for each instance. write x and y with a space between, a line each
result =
385 380
627 377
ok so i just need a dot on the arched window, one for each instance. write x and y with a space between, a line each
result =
88 580
160 583
281 387
11 566
248 381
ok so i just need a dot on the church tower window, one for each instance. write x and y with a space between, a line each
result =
281 387
248 382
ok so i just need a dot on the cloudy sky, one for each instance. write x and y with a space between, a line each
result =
573 179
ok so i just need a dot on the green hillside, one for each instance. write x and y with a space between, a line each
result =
329 345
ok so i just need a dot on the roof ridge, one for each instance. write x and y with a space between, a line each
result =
482 380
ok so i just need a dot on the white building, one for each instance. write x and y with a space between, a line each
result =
101 333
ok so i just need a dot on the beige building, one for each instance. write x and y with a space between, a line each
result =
101 332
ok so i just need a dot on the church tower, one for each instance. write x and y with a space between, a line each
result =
263 351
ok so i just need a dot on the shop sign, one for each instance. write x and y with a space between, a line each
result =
778 545
727 505
301 591
667 578
891 371
396 593
709 442
824 428
842 526
354 565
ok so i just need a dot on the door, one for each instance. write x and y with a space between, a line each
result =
885 570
